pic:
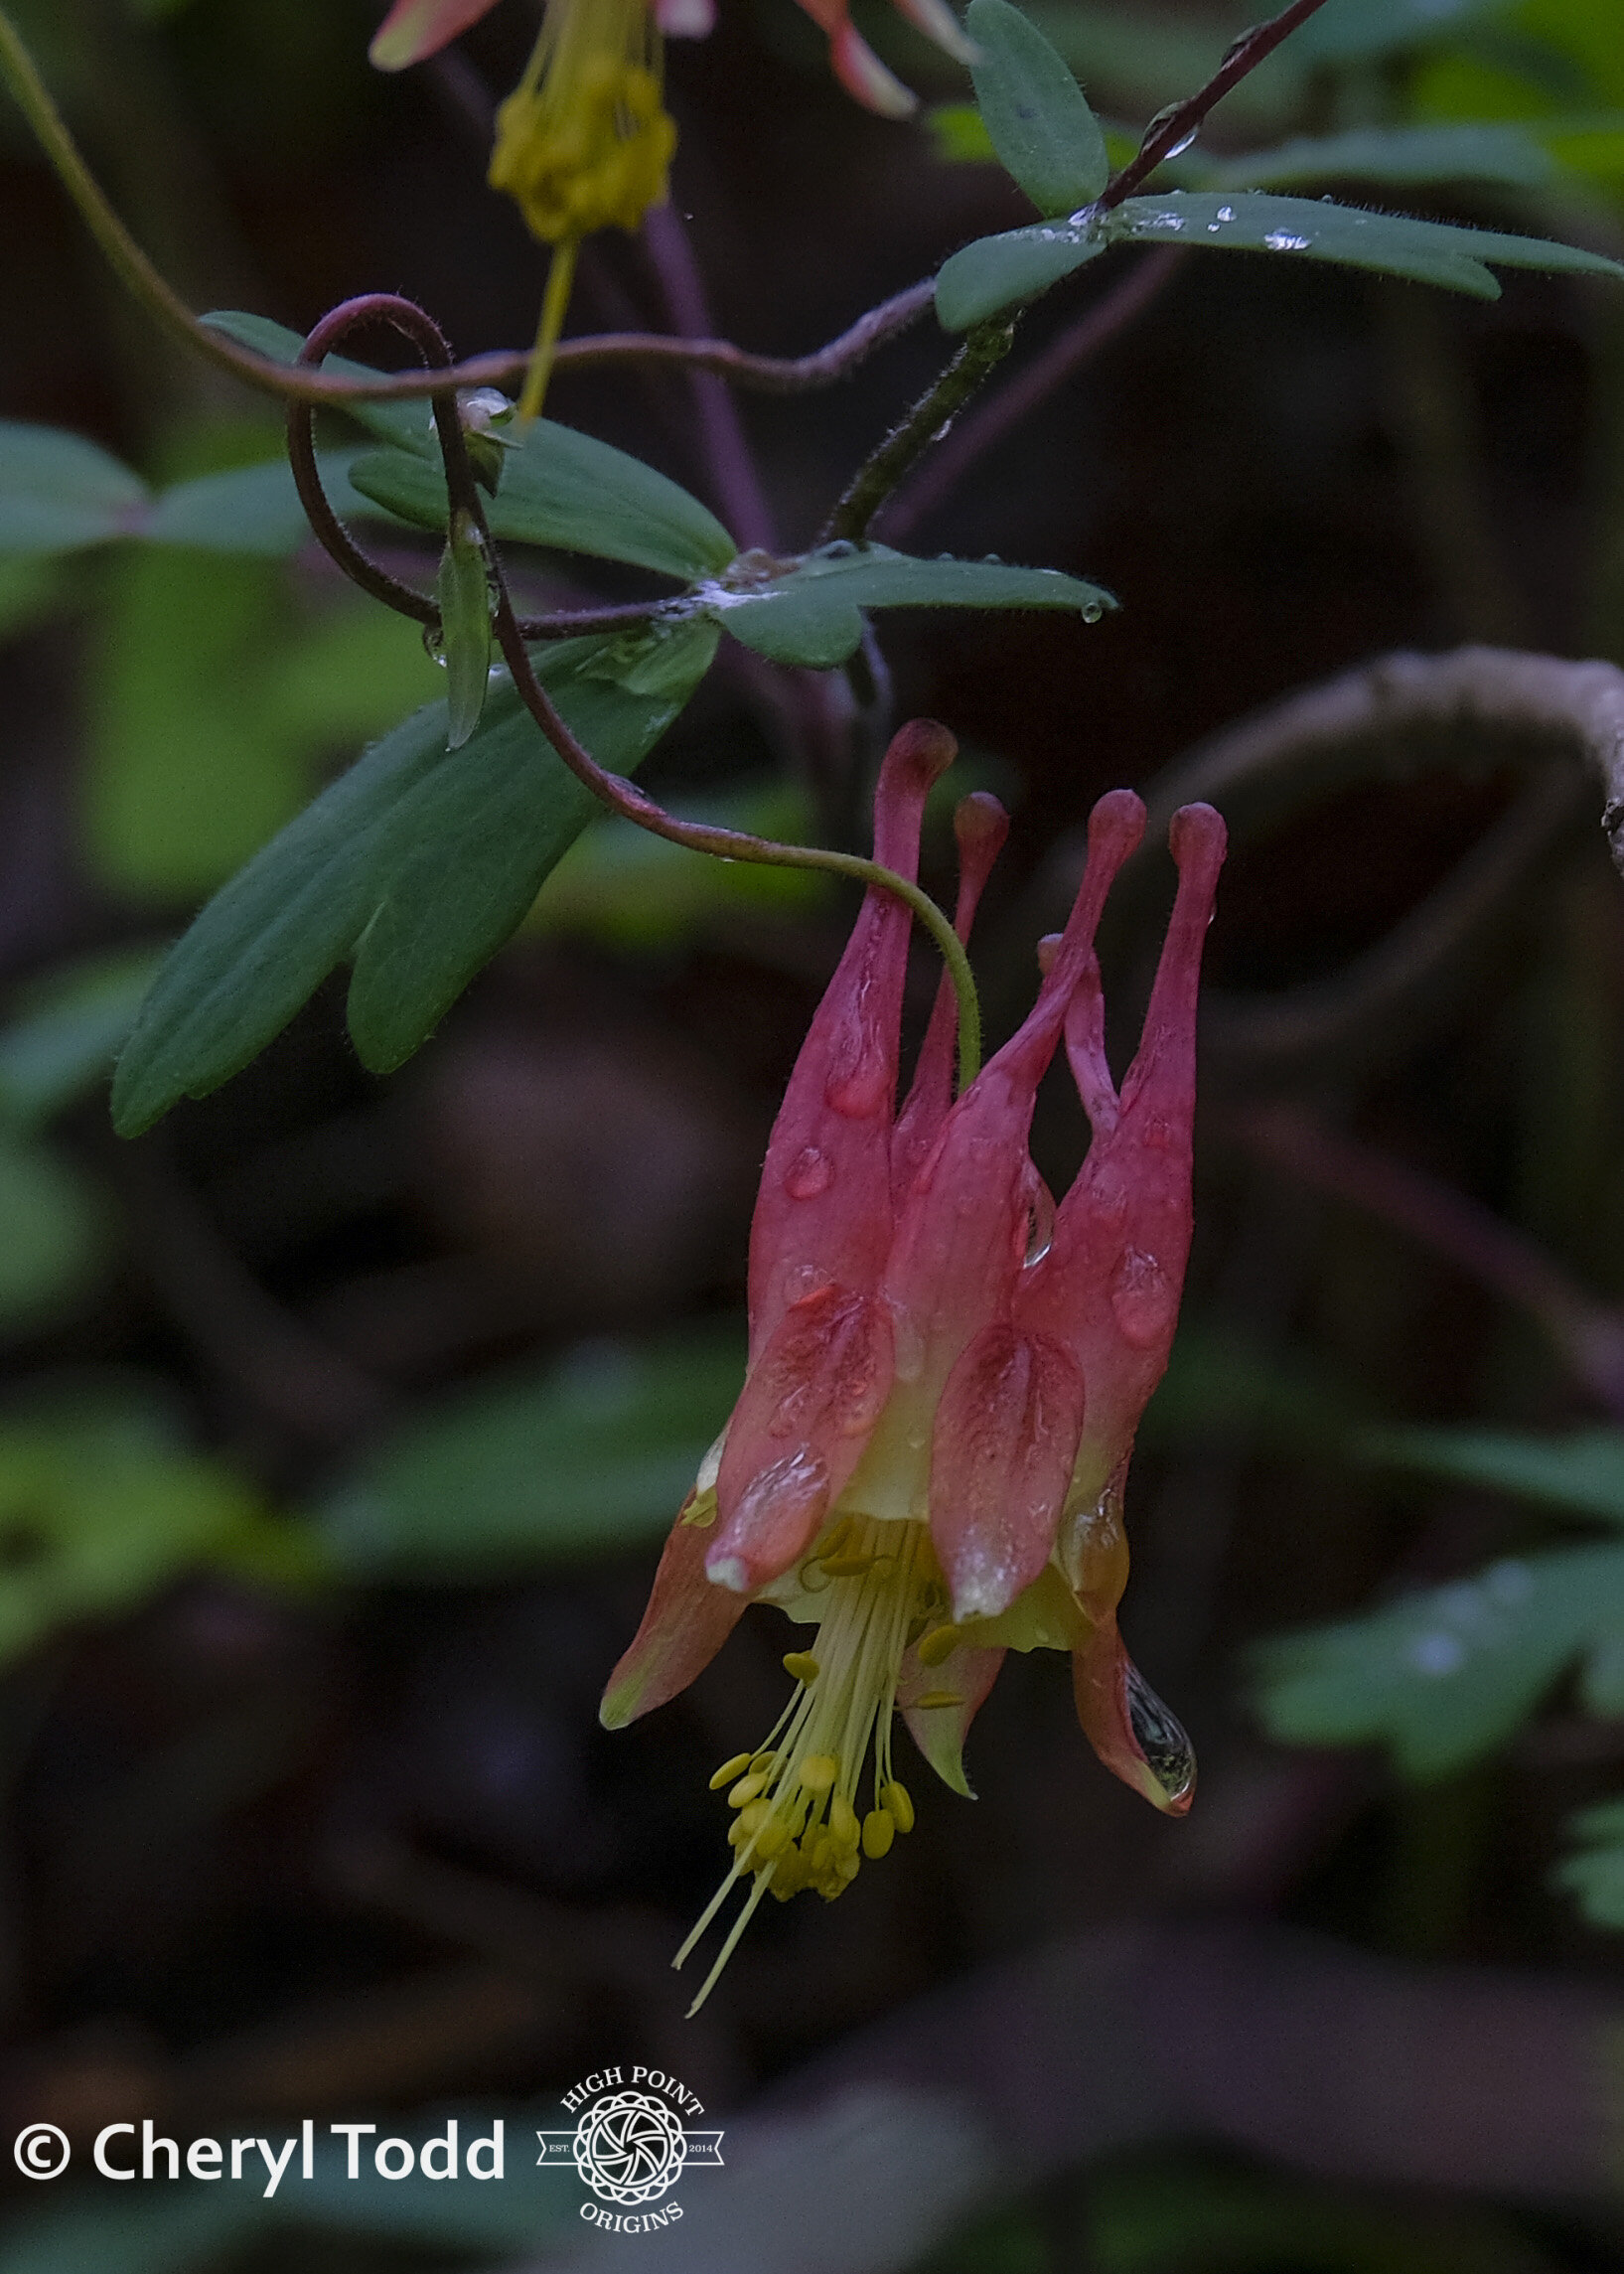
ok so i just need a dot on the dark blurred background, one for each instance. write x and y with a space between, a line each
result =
344 1417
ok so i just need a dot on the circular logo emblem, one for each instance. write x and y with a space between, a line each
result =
630 2147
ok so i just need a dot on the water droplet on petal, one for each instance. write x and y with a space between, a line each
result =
808 1174
1040 1224
1168 1752
1090 611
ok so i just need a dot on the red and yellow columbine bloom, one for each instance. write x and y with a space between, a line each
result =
414 28
945 1373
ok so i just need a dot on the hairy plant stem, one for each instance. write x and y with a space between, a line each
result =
984 348
612 791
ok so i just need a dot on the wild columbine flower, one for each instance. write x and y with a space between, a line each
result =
414 28
946 1372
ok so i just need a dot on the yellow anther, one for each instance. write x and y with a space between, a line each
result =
747 1823
848 1566
699 1508
939 1643
895 1800
879 1830
801 1664
747 1789
818 1772
759 1762
934 1698
834 1540
730 1769
843 1825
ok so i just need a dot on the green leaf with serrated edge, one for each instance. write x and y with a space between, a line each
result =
1581 1472
997 273
408 425
569 491
1396 154
1443 1676
251 508
417 863
594 1454
1046 136
60 493
811 614
463 592
65 1033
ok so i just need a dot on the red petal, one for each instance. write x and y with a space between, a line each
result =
981 824
797 1430
414 29
686 1622
1006 1435
824 1211
1128 1726
861 72
965 1675
938 22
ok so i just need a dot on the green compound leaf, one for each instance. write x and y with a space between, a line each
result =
569 491
1046 136
463 592
60 493
417 863
594 1456
992 274
811 613
1581 1473
65 1033
1446 1675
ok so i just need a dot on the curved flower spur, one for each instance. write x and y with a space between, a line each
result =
926 1458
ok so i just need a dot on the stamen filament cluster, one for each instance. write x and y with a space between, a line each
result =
796 1801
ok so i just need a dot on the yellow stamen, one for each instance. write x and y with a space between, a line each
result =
797 1823
554 306
933 1699
730 1769
895 1800
879 1830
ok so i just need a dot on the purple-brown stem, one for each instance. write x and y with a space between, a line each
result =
1177 127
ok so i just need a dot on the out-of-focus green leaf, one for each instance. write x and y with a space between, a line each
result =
622 884
1041 127
569 491
1220 1389
55 1230
960 134
68 1030
249 508
182 2230
59 492
1149 56
994 272
94 1521
1504 153
205 737
1445 1675
594 1454
1581 1473
1361 30
811 614
463 592
33 586
417 863
1595 1876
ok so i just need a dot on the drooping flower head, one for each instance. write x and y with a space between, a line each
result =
415 29
926 1458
